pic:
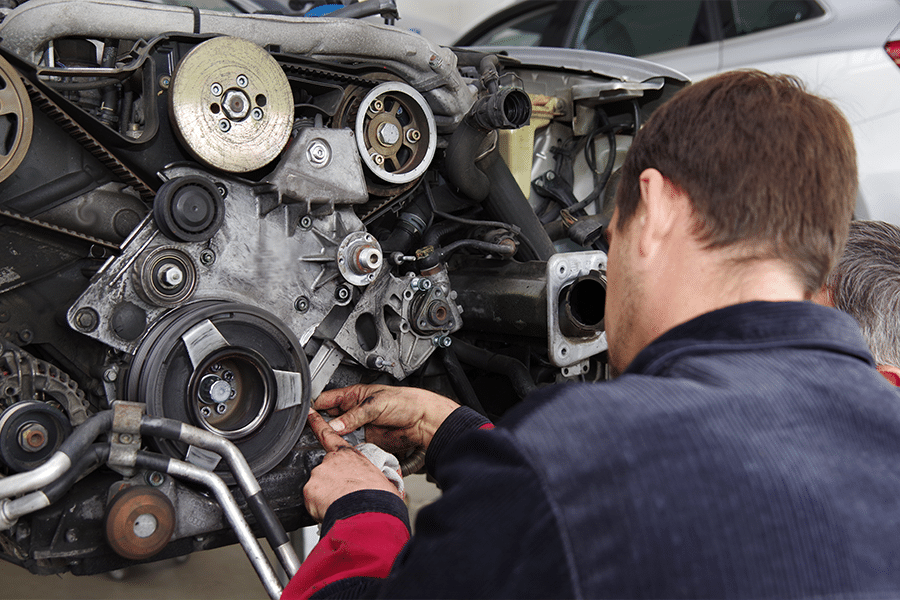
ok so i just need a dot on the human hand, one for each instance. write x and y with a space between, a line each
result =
343 470
396 418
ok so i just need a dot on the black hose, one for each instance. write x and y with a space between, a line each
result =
94 456
460 381
459 162
480 245
506 202
513 369
84 435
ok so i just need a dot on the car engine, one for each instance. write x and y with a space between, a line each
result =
208 218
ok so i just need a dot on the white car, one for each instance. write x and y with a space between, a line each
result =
845 50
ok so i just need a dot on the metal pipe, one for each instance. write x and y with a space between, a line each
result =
243 475
184 470
72 448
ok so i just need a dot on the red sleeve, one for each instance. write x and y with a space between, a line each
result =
364 545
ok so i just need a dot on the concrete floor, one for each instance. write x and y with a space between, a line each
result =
220 574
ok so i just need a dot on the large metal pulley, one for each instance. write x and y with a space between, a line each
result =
16 120
395 132
232 104
234 370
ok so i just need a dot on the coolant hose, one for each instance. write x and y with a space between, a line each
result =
513 369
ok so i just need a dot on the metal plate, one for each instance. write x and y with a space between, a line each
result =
232 104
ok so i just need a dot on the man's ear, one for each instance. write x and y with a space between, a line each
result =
662 202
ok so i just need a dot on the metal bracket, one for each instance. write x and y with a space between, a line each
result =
125 438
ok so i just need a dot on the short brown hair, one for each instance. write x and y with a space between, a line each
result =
770 169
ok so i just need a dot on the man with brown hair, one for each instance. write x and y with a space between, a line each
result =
866 285
747 450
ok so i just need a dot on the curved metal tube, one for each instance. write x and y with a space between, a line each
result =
243 475
183 470
74 446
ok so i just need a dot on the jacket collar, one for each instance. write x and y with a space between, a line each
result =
756 325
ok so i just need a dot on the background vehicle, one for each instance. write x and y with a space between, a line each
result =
207 218
845 50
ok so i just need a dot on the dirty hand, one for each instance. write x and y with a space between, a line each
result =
343 470
396 418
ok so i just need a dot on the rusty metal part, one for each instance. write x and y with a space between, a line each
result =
232 104
140 522
15 111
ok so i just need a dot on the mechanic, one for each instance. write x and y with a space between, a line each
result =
747 450
866 285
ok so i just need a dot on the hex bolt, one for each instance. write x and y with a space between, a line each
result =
221 408
171 276
207 257
215 89
235 104
124 438
413 135
110 375
301 304
228 376
388 134
155 478
86 319
33 437
435 61
257 114
224 125
318 153
242 81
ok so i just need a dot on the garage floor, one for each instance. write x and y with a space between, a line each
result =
221 574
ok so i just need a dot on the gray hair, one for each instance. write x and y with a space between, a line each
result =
866 284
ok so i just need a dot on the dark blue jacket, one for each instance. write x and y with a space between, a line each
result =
753 452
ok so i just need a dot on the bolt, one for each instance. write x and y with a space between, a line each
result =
435 61
171 276
224 125
155 478
216 367
342 293
207 257
377 159
165 81
33 437
378 106
441 341
124 438
4 316
228 376
257 114
235 105
318 153
215 89
242 81
110 375
221 408
420 283
301 304
71 536
214 389
388 134
413 135
205 411
86 319
26 336
306 222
